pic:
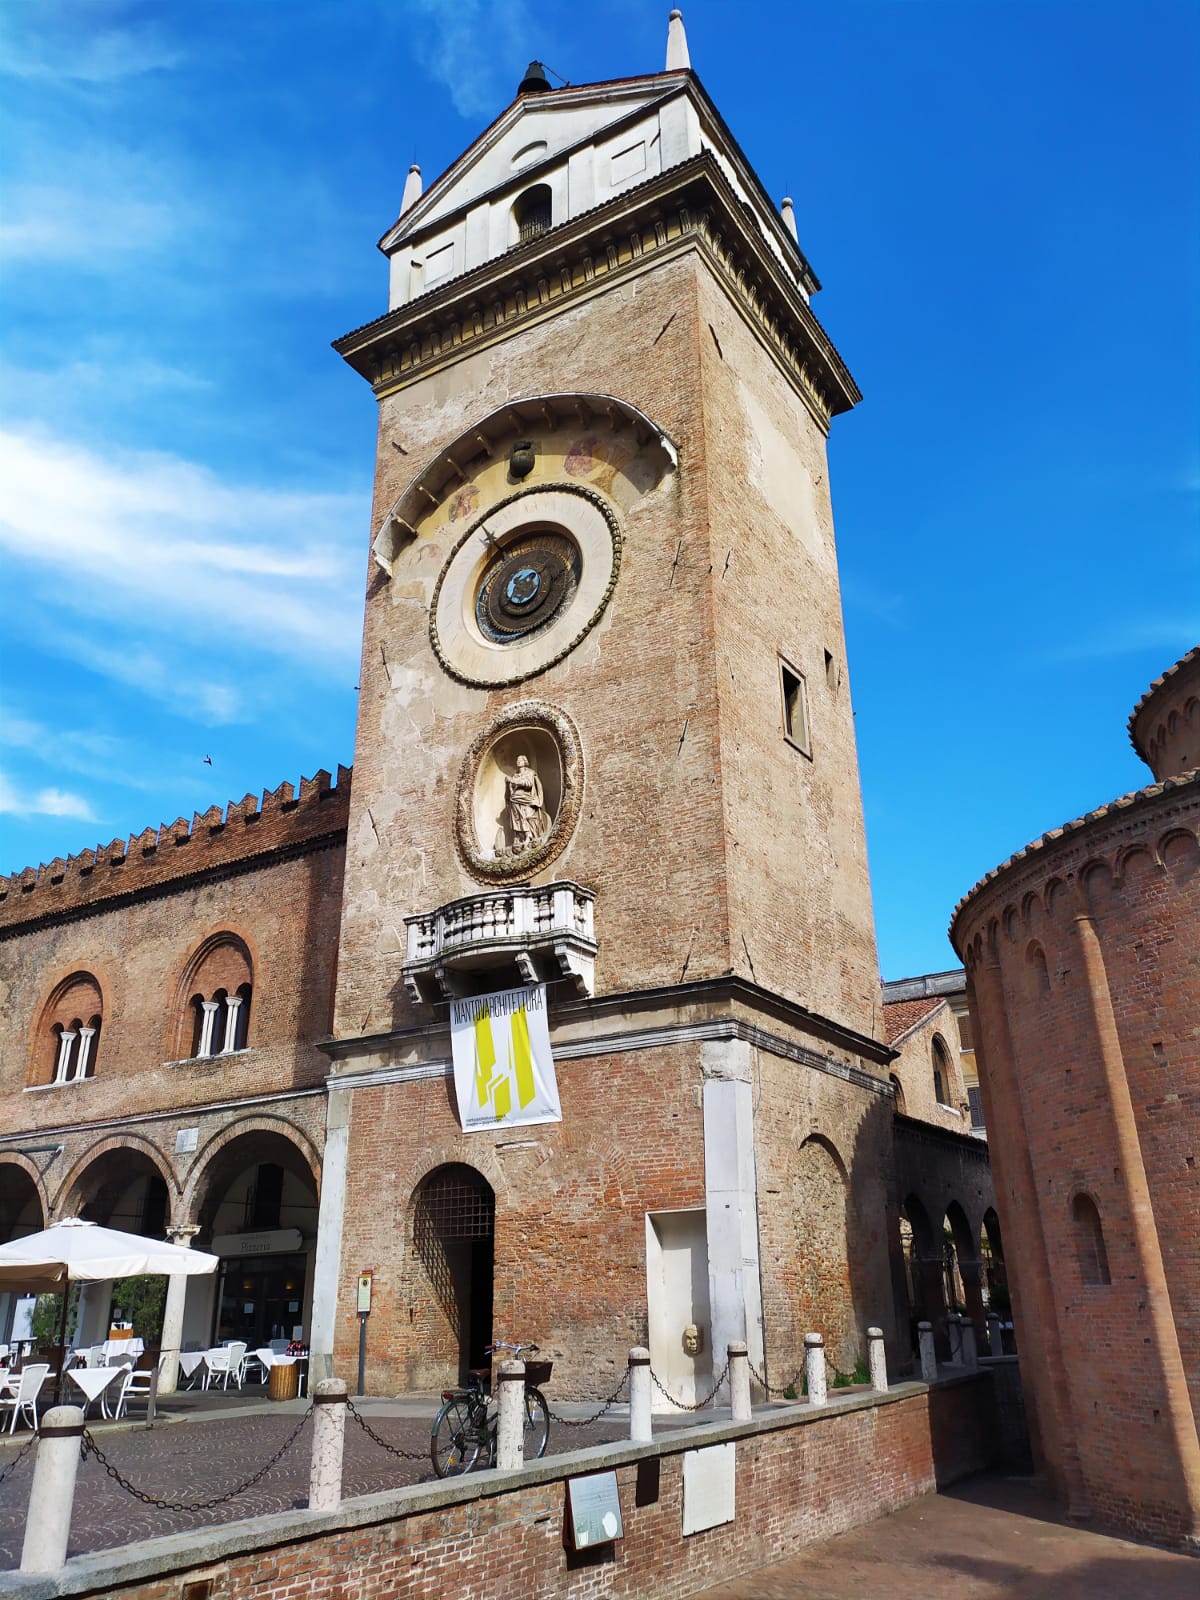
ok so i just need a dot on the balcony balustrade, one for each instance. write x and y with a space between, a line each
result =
546 933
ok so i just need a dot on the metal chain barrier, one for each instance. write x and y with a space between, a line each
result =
392 1449
795 1384
19 1457
89 1447
700 1404
605 1405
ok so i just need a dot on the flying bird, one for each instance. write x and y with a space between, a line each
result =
208 761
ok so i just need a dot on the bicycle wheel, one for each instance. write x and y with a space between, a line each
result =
454 1439
537 1424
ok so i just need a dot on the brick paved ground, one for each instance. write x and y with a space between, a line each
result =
992 1538
211 1444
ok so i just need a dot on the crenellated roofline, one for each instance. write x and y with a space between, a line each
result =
285 821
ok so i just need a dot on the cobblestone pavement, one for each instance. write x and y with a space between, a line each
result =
201 1453
991 1538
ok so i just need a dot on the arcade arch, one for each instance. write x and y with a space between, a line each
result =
254 1201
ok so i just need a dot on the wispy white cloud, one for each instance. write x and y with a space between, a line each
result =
166 547
90 224
1173 635
43 803
458 47
56 44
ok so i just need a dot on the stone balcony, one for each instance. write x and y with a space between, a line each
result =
546 933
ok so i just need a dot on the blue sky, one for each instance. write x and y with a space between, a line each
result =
1002 200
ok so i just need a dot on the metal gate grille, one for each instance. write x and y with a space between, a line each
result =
455 1203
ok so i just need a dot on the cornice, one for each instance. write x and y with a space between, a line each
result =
689 207
1040 858
722 991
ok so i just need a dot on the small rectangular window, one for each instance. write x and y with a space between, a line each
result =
795 707
975 1099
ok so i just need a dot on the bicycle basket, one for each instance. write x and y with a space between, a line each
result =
538 1373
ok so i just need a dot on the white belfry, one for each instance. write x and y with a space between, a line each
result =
412 188
677 50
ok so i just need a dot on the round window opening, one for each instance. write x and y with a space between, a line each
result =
526 585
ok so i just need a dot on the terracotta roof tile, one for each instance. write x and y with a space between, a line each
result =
900 1016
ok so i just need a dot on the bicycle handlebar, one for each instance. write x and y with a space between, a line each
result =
503 1344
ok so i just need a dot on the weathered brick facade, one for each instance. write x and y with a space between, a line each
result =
643 386
1081 953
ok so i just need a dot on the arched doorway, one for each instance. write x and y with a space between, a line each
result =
20 1215
257 1211
454 1224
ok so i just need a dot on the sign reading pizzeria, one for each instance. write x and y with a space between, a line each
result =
503 1070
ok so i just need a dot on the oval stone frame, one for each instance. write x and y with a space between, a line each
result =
575 510
541 720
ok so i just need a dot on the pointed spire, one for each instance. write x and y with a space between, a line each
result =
677 50
789 217
412 188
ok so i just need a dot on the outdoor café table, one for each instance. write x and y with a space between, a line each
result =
123 1347
190 1361
94 1381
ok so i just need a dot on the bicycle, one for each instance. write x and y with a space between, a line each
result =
464 1431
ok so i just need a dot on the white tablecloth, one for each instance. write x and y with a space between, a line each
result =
189 1360
123 1347
95 1380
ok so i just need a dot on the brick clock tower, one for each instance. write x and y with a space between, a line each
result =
605 760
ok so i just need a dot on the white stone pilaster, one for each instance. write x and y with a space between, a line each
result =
734 1288
327 1259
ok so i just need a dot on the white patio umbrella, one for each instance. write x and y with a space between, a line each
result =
76 1251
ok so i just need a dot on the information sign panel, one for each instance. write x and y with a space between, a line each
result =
594 1508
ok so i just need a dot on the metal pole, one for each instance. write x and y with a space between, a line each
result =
362 1352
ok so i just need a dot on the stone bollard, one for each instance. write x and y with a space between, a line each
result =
328 1444
814 1369
928 1354
970 1350
954 1332
739 1380
641 1422
877 1359
52 1493
510 1431
995 1335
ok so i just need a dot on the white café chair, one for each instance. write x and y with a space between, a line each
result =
136 1385
24 1397
225 1362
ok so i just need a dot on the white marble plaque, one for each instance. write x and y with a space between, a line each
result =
708 1477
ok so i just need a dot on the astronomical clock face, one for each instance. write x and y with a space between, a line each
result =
524 584
527 585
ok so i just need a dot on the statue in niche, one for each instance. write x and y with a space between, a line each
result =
526 820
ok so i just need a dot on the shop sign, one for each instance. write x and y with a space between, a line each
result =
273 1242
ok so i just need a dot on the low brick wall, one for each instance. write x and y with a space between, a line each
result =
800 1476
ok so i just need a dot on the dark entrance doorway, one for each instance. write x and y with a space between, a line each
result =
454 1232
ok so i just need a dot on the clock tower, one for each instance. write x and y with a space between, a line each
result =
605 756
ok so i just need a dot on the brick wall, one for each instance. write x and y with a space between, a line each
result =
1098 926
797 1481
